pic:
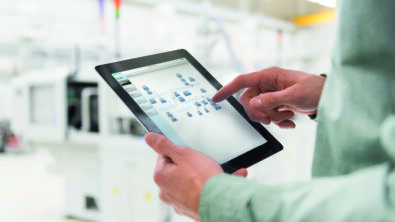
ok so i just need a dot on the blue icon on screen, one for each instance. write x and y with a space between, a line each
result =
218 107
186 84
182 99
162 100
179 75
192 79
187 93
153 101
189 114
203 90
176 94
200 113
174 119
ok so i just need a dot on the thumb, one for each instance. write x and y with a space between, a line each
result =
161 144
241 172
270 100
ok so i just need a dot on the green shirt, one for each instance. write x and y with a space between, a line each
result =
353 168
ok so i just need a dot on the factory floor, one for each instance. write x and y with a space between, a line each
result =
29 190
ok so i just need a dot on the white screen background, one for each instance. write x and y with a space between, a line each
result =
220 134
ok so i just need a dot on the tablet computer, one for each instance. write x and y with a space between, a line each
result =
170 93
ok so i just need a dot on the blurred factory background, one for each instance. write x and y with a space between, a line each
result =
71 151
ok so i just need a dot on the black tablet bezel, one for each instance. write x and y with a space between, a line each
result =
245 160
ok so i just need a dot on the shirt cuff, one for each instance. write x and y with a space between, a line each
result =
220 192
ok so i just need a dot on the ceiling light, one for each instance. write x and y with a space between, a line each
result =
327 3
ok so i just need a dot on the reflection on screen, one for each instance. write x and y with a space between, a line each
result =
178 100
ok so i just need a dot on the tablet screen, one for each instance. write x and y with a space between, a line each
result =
178 100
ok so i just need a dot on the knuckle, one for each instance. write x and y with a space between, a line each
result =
162 196
160 141
244 100
272 68
158 177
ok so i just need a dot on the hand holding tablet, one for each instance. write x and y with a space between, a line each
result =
170 93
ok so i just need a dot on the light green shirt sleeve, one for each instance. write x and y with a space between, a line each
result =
234 199
365 195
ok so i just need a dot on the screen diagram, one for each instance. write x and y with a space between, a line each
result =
177 98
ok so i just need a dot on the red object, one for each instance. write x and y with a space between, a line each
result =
117 7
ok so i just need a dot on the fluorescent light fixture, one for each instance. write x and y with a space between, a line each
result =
327 3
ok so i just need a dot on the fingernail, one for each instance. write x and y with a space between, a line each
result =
256 102
152 138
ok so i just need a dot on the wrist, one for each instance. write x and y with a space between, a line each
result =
314 115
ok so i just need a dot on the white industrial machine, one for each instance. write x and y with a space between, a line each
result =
108 168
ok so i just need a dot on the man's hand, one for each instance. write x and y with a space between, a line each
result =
275 94
181 174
